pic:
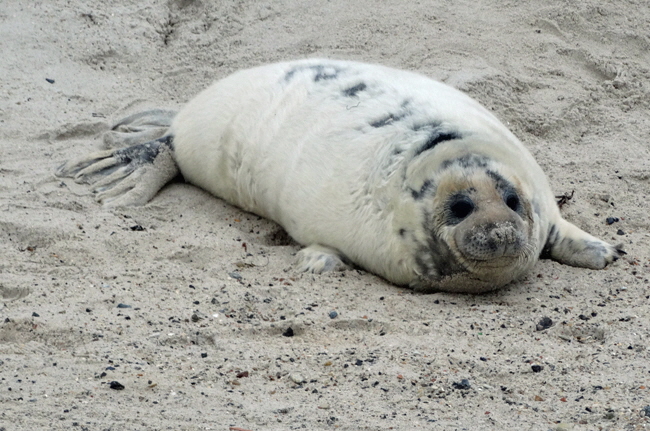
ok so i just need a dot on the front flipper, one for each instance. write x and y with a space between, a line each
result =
570 245
127 176
317 259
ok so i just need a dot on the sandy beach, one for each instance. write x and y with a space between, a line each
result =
186 314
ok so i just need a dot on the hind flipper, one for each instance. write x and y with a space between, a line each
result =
127 176
138 128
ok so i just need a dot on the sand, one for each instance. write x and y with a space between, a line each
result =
178 315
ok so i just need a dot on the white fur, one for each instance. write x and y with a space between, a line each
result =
299 153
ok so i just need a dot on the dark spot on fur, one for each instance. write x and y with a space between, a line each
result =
467 161
352 91
501 183
391 118
437 136
320 72
419 194
551 239
436 260
324 73
432 125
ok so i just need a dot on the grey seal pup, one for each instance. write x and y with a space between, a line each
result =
385 169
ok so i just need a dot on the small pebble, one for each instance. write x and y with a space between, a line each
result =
288 332
544 323
120 305
137 228
333 314
204 355
116 385
620 232
235 275
50 80
537 368
611 220
463 385
297 378
35 314
645 411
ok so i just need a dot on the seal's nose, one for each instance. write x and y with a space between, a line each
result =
492 241
505 239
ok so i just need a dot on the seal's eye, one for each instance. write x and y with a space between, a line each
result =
461 207
512 201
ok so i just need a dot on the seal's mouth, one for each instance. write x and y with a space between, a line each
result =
489 257
463 274
503 257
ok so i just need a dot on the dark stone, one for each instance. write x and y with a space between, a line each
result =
116 385
544 323
462 385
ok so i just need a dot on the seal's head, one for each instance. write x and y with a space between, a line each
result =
478 228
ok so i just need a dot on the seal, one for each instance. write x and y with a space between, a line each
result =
366 165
